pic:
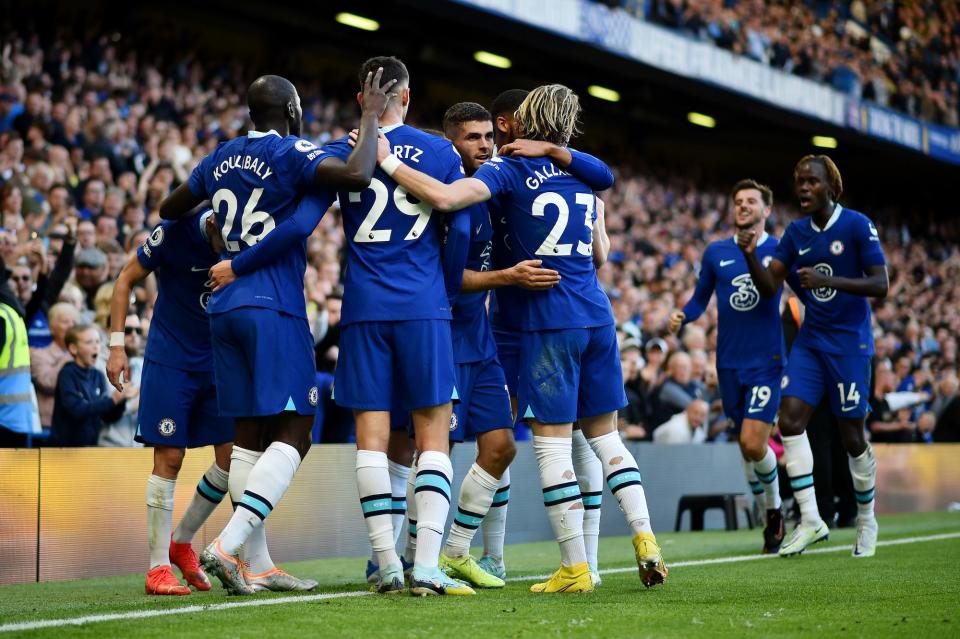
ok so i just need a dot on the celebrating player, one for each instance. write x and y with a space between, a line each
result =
506 324
254 183
570 365
750 349
839 263
396 350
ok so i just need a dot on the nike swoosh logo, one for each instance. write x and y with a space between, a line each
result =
754 410
726 262
805 251
198 270
565 588
478 229
846 409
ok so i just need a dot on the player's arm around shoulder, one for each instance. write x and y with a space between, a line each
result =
441 197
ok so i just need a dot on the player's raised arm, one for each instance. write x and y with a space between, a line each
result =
179 203
583 166
357 171
117 363
767 280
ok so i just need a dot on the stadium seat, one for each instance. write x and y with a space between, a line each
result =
730 503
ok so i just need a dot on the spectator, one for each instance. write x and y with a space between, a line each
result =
946 410
91 273
16 404
93 197
83 402
677 390
631 417
123 431
687 427
47 362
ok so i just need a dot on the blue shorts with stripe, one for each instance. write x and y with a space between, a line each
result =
752 393
569 374
508 354
263 362
395 365
484 400
845 379
178 408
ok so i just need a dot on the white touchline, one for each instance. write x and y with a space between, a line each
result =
143 614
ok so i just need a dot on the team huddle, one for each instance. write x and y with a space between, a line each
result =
497 211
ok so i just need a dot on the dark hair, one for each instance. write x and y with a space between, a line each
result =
463 112
766 192
508 102
834 181
393 69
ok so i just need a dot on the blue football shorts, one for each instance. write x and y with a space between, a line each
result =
263 362
392 366
178 408
570 374
844 378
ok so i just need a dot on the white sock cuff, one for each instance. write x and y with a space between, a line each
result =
245 455
484 478
435 460
505 479
218 477
371 459
552 442
287 451
595 441
160 492
398 470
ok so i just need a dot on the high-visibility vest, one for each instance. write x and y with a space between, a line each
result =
16 405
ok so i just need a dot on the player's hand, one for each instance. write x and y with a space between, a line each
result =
221 274
131 391
529 275
527 148
812 278
352 137
118 364
747 241
676 321
375 96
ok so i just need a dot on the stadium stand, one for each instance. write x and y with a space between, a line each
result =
905 56
94 131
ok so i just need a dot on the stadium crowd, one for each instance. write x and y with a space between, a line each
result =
91 140
901 55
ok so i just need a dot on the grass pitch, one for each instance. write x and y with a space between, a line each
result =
911 588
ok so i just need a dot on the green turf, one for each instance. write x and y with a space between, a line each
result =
907 589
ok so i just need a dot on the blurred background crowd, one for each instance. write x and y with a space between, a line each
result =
901 55
93 136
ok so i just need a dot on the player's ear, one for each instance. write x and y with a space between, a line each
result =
291 111
360 98
502 125
405 97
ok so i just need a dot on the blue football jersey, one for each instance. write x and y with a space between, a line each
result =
550 217
254 183
506 301
393 240
472 335
181 257
750 334
835 322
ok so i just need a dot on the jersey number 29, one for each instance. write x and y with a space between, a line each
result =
381 194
